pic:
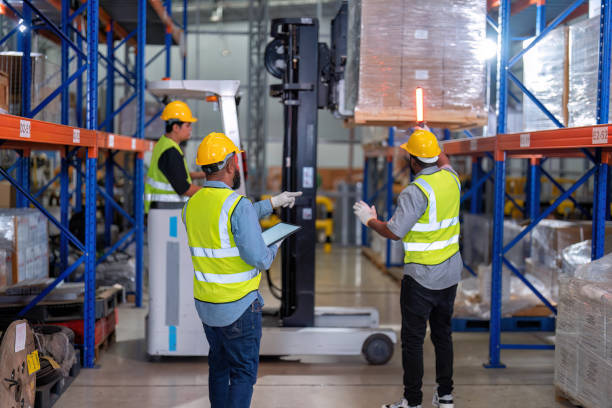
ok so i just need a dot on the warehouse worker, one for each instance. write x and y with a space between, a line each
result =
427 221
228 253
168 182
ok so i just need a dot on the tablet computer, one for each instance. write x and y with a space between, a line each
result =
278 232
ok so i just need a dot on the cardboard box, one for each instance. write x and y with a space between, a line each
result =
4 92
24 233
8 196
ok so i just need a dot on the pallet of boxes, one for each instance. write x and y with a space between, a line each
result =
583 344
397 46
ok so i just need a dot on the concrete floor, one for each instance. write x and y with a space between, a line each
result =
125 378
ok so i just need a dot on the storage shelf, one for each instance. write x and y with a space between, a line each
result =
25 133
566 142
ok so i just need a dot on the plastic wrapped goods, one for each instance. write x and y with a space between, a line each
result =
544 76
583 72
476 241
474 294
395 46
24 232
579 254
551 237
583 355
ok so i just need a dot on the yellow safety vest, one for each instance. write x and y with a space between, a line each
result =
220 275
435 236
157 186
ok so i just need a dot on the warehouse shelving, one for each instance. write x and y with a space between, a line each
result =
534 147
83 143
591 142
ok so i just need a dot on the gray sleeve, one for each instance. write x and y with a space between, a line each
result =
411 205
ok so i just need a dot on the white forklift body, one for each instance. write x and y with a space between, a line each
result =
173 326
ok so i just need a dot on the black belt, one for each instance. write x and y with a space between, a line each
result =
166 206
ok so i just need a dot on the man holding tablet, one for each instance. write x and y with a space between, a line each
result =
228 253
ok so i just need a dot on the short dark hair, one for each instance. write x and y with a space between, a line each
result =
171 123
216 167
211 169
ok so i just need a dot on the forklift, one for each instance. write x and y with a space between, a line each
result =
312 77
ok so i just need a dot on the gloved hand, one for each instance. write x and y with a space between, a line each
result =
285 199
364 212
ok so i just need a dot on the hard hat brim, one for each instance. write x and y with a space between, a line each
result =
407 148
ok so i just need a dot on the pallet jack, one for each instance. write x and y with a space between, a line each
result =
312 79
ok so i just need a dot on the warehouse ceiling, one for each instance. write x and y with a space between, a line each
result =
125 12
238 10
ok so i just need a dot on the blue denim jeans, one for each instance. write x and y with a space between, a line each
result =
233 359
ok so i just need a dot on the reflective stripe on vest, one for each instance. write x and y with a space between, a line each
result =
214 253
157 186
432 246
435 236
223 278
220 275
165 198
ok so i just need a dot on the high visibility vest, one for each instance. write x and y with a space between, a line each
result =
435 236
157 186
220 275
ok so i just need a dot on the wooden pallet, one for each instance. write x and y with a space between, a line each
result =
108 341
565 399
444 119
55 311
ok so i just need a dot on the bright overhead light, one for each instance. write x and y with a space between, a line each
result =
217 14
486 50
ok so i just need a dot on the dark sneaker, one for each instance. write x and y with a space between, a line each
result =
403 403
445 401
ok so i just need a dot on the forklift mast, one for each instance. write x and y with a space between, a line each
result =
309 76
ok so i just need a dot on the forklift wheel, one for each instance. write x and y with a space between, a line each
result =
377 349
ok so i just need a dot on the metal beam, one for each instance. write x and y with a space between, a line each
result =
166 19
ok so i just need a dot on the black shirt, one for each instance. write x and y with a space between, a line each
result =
171 163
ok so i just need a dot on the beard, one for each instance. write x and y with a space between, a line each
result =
236 181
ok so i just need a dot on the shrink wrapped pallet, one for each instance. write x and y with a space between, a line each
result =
544 75
551 237
583 73
477 238
46 77
583 355
24 232
395 46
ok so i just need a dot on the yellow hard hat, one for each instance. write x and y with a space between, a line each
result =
178 110
214 149
423 144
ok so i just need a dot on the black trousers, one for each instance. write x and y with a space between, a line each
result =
420 305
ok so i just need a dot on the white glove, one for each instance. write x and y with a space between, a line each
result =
285 199
364 212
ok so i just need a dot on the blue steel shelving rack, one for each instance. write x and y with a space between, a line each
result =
591 142
81 143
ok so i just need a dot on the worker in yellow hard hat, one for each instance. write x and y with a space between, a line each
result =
427 221
228 254
169 181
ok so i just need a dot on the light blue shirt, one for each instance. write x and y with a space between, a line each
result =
253 250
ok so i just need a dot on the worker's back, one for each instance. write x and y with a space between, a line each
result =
220 274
